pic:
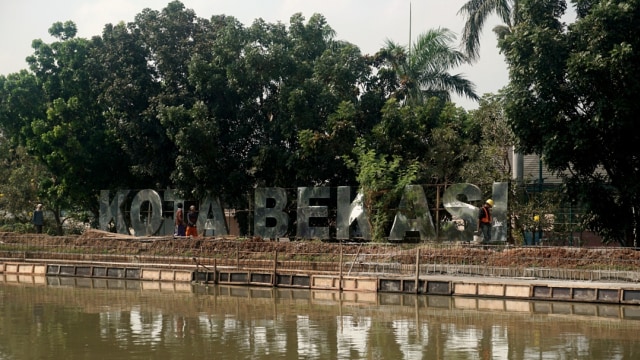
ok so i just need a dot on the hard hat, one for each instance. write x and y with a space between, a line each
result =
490 202
536 218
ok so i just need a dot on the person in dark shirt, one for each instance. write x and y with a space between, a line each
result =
179 217
38 219
192 221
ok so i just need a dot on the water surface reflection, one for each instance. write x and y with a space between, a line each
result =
71 318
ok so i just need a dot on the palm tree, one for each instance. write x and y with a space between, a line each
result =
423 69
476 13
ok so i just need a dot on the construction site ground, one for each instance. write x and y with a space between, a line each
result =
503 255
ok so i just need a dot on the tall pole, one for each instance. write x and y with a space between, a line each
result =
409 26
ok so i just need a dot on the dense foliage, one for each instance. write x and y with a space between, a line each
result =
209 106
572 99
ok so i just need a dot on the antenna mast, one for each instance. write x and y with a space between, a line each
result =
409 26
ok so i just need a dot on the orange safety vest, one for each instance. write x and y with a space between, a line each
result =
486 219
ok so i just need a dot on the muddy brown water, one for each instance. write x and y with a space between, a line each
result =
46 318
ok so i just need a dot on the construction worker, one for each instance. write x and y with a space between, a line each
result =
484 220
192 221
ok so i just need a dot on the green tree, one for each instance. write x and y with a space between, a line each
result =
477 12
423 71
572 99
154 55
126 88
493 142
319 74
382 180
22 101
411 144
20 188
53 111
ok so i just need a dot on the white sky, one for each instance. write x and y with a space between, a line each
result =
365 23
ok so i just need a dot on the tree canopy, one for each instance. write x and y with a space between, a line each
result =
211 106
572 99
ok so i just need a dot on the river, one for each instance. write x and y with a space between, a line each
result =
71 318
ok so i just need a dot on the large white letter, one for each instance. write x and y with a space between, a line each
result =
413 203
111 211
262 213
150 223
217 223
307 211
348 212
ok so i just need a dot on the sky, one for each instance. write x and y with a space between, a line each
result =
365 23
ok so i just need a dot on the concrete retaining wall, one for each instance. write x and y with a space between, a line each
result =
470 287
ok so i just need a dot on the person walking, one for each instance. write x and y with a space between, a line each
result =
38 219
192 221
484 221
179 217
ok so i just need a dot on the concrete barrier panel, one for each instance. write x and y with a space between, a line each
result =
438 288
25 269
99 271
83 271
238 277
584 294
517 291
167 275
183 276
390 285
113 272
490 290
409 286
132 273
261 278
541 292
609 295
359 284
288 280
148 274
630 296
40 269
465 289
324 282
561 293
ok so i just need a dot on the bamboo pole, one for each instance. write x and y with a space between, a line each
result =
417 270
274 279
340 277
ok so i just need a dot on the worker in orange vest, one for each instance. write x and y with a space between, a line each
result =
484 220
